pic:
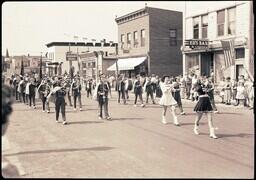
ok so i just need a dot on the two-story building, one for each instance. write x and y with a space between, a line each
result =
149 41
57 54
234 22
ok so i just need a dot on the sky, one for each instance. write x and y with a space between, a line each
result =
28 26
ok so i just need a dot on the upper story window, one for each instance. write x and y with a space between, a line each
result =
142 35
196 27
122 41
221 22
240 53
129 40
231 21
204 26
173 37
135 39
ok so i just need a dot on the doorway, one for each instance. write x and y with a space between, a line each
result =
206 64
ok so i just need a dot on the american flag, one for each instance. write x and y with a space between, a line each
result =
229 52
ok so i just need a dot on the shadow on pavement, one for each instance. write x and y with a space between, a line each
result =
123 119
85 122
97 148
192 124
241 135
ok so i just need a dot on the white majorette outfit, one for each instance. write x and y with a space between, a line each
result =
167 99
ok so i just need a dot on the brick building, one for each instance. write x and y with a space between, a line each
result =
154 37
235 22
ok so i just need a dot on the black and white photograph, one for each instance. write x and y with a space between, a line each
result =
128 89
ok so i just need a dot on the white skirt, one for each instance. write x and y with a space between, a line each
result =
167 100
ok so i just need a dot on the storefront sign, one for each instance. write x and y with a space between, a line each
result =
71 57
197 43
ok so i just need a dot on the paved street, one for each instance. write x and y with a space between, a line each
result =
134 144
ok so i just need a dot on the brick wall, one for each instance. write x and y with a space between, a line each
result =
165 59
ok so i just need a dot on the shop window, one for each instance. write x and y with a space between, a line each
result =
221 22
196 27
240 53
173 37
142 37
204 26
232 21
135 39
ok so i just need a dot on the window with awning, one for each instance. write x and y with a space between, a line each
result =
127 63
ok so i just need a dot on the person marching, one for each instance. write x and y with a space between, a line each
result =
101 94
60 104
176 94
68 90
21 90
149 88
203 106
138 91
32 93
44 90
121 88
210 91
89 88
167 100
76 88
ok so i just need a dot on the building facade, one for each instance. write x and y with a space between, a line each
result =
234 22
153 34
95 63
57 53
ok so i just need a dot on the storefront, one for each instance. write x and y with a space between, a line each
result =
130 66
208 58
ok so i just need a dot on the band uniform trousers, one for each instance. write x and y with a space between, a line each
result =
60 105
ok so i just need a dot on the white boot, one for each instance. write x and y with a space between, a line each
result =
212 134
175 121
164 120
196 130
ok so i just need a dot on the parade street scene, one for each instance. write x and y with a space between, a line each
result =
128 89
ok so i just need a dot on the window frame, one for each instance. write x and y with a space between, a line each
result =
173 40
129 40
204 26
237 51
135 40
221 24
233 21
197 28
122 41
143 39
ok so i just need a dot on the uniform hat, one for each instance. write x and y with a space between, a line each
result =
162 79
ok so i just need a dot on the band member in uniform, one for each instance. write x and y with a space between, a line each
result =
32 93
44 90
60 104
176 94
89 87
76 88
149 88
138 90
167 100
210 91
203 106
101 94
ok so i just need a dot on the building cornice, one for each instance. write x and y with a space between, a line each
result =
90 44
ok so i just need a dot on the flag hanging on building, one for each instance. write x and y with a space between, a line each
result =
229 52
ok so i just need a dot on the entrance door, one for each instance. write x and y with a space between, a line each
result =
239 71
206 64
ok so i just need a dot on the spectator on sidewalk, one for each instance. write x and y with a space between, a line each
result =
222 89
228 92
234 91
240 96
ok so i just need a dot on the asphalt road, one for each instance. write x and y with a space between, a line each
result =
134 144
